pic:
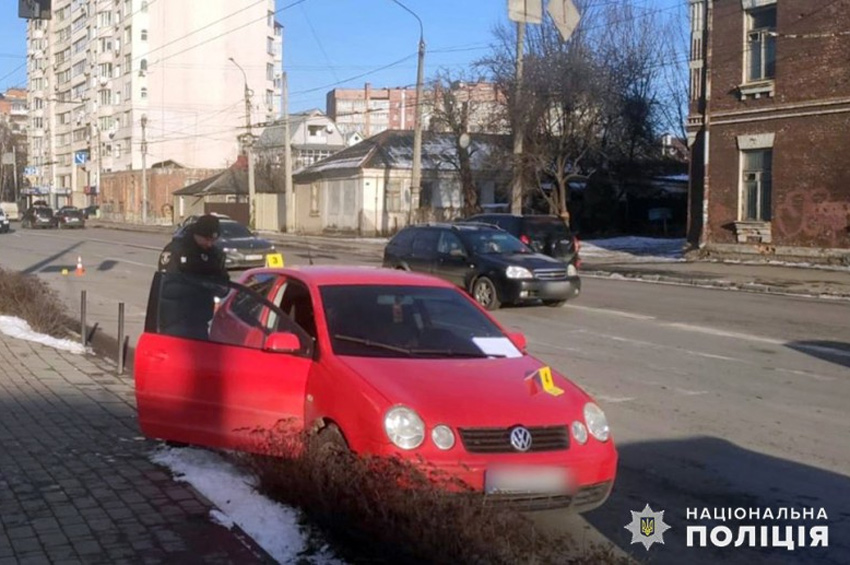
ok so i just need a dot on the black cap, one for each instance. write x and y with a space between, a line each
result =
206 226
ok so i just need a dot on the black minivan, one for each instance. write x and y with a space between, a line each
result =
545 234
486 261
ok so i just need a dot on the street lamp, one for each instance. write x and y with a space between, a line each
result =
247 142
416 179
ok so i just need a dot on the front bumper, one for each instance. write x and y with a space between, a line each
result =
529 290
591 468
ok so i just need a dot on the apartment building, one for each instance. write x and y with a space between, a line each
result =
369 111
13 109
111 78
767 127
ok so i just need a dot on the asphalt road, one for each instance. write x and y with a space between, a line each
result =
717 399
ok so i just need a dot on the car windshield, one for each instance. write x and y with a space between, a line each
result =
43 212
495 242
409 322
232 230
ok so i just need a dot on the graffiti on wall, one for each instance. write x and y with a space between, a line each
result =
810 217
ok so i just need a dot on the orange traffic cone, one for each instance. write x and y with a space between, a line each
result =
80 270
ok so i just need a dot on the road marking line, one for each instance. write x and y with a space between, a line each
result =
686 392
613 399
724 333
719 357
812 376
620 313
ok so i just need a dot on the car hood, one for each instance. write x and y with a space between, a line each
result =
530 261
471 392
244 243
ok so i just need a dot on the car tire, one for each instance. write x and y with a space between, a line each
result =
485 293
554 303
329 440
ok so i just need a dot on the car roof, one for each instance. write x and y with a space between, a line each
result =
461 225
327 275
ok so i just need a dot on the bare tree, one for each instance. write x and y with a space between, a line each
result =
454 105
589 103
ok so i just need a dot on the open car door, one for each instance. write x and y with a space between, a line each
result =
200 382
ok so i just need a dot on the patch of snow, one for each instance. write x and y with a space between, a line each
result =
272 525
20 329
632 248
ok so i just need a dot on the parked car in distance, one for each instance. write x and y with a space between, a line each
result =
383 363
545 234
70 217
10 210
90 211
38 217
242 248
492 265
4 222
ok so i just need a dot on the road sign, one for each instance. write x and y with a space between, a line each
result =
80 157
7 159
565 15
528 11
30 170
34 9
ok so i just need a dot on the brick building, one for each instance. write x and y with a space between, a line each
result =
767 127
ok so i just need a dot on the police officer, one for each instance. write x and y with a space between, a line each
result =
196 276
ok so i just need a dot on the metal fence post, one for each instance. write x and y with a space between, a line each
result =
83 331
120 338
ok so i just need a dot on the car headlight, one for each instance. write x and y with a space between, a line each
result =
272 249
571 270
596 421
514 272
443 437
228 249
404 427
579 432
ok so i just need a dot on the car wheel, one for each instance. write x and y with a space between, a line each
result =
329 440
554 303
484 292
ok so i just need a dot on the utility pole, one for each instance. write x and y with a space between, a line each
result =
416 177
288 189
247 144
519 123
416 174
144 169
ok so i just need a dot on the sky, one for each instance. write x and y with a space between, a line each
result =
343 43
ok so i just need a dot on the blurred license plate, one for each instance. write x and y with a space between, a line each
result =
534 480
253 257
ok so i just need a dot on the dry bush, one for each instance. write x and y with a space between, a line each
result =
31 299
389 510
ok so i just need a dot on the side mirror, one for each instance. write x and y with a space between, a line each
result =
518 339
282 342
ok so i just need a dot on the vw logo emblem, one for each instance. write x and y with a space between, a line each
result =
521 439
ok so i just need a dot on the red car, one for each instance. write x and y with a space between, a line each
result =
387 361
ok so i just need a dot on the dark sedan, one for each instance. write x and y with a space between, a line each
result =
38 217
242 249
491 264
70 217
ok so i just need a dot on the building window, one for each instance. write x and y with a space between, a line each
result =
761 44
270 45
144 35
144 93
269 71
756 169
143 65
144 5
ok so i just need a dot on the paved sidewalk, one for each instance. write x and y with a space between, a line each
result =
76 482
